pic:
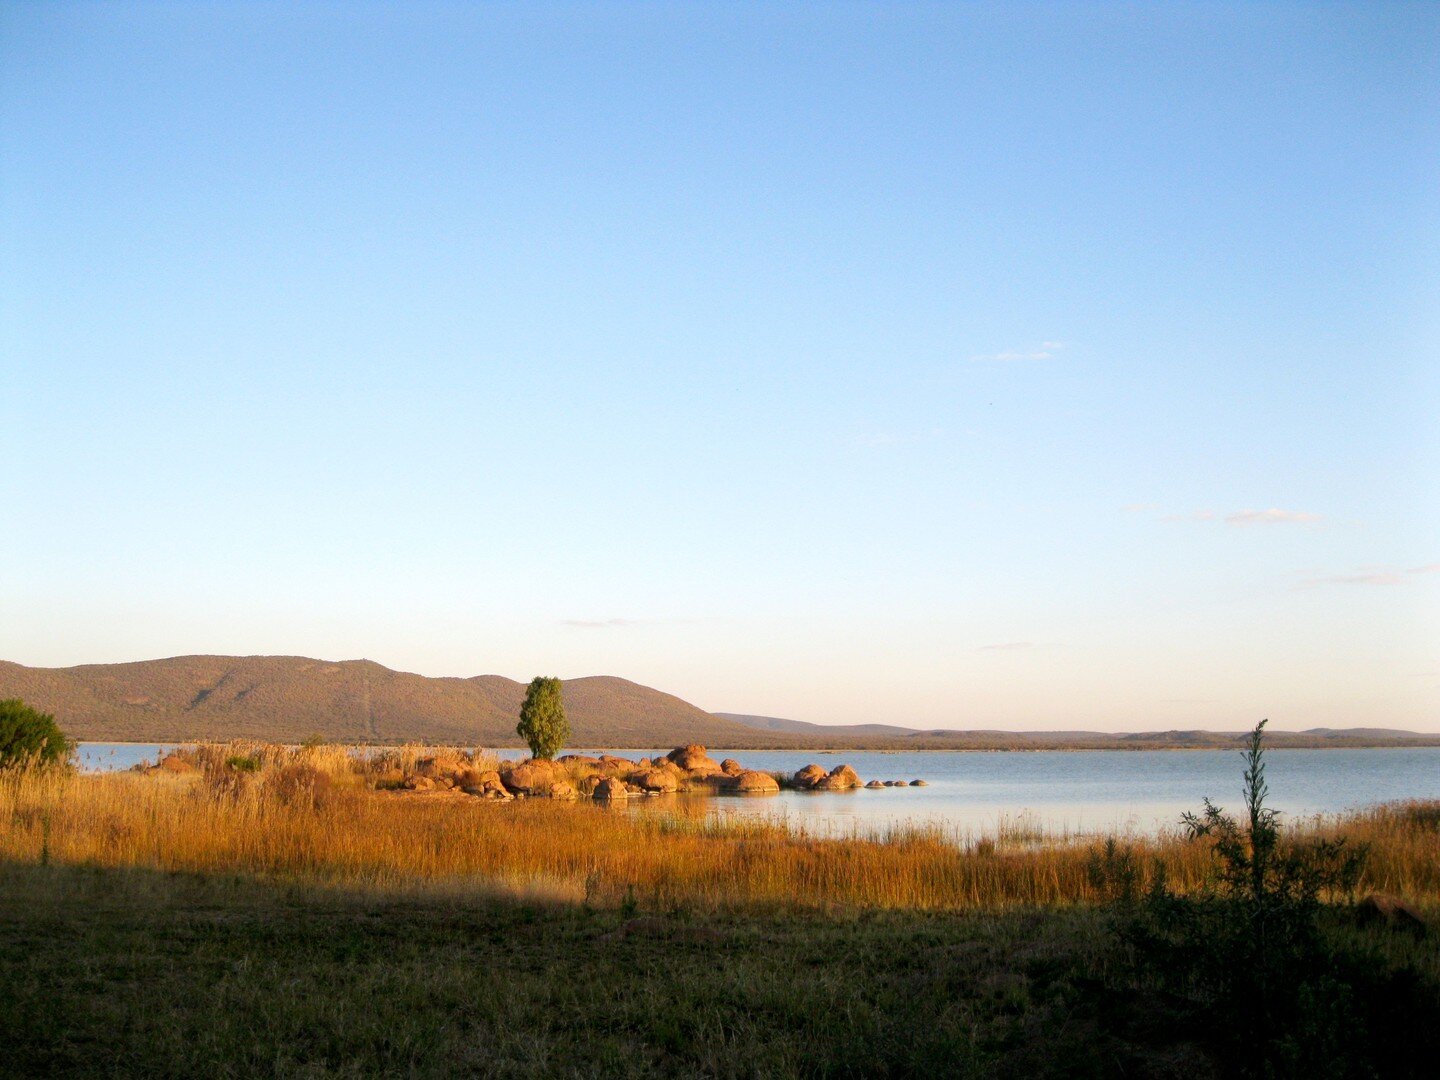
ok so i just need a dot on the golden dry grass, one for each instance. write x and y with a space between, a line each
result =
309 815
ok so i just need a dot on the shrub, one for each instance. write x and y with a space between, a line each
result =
29 737
1245 952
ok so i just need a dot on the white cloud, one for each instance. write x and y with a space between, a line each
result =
1368 577
1271 517
1372 575
1046 350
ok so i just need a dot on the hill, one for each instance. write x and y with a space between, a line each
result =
288 698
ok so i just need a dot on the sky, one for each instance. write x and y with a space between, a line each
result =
954 365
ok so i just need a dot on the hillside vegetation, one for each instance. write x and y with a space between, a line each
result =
290 698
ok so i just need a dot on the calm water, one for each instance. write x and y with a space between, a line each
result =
1140 790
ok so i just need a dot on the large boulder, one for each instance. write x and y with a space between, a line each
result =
611 788
731 767
563 789
750 781
439 767
656 780
809 776
533 777
174 763
693 759
485 782
840 778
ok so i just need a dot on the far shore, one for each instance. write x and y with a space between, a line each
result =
1295 742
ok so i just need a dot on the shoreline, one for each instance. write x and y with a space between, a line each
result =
804 748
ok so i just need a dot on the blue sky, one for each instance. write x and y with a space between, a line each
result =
948 365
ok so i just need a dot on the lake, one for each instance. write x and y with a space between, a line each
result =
1079 791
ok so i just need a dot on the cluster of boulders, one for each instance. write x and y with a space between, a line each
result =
842 778
609 778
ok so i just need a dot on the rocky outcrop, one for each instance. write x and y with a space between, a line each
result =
533 777
694 760
840 778
483 782
657 780
440 767
174 763
751 782
808 777
611 788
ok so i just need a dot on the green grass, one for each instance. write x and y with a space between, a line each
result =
139 973
134 973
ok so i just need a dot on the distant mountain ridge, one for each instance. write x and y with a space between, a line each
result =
895 736
289 698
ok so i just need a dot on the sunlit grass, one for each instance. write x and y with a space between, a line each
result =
310 814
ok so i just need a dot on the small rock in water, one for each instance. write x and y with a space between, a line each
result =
918 783
875 784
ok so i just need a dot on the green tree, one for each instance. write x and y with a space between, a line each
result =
30 737
542 718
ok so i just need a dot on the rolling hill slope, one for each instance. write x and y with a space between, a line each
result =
288 698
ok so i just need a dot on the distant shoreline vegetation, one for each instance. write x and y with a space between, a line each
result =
1419 742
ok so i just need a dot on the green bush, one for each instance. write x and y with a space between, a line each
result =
243 764
1246 957
29 737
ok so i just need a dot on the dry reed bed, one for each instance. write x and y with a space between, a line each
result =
306 815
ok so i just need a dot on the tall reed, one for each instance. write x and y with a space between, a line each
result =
308 815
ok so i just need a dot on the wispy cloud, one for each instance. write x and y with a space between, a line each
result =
1372 575
1046 350
1271 517
1368 577
1007 646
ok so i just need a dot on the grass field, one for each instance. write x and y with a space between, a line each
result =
292 921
